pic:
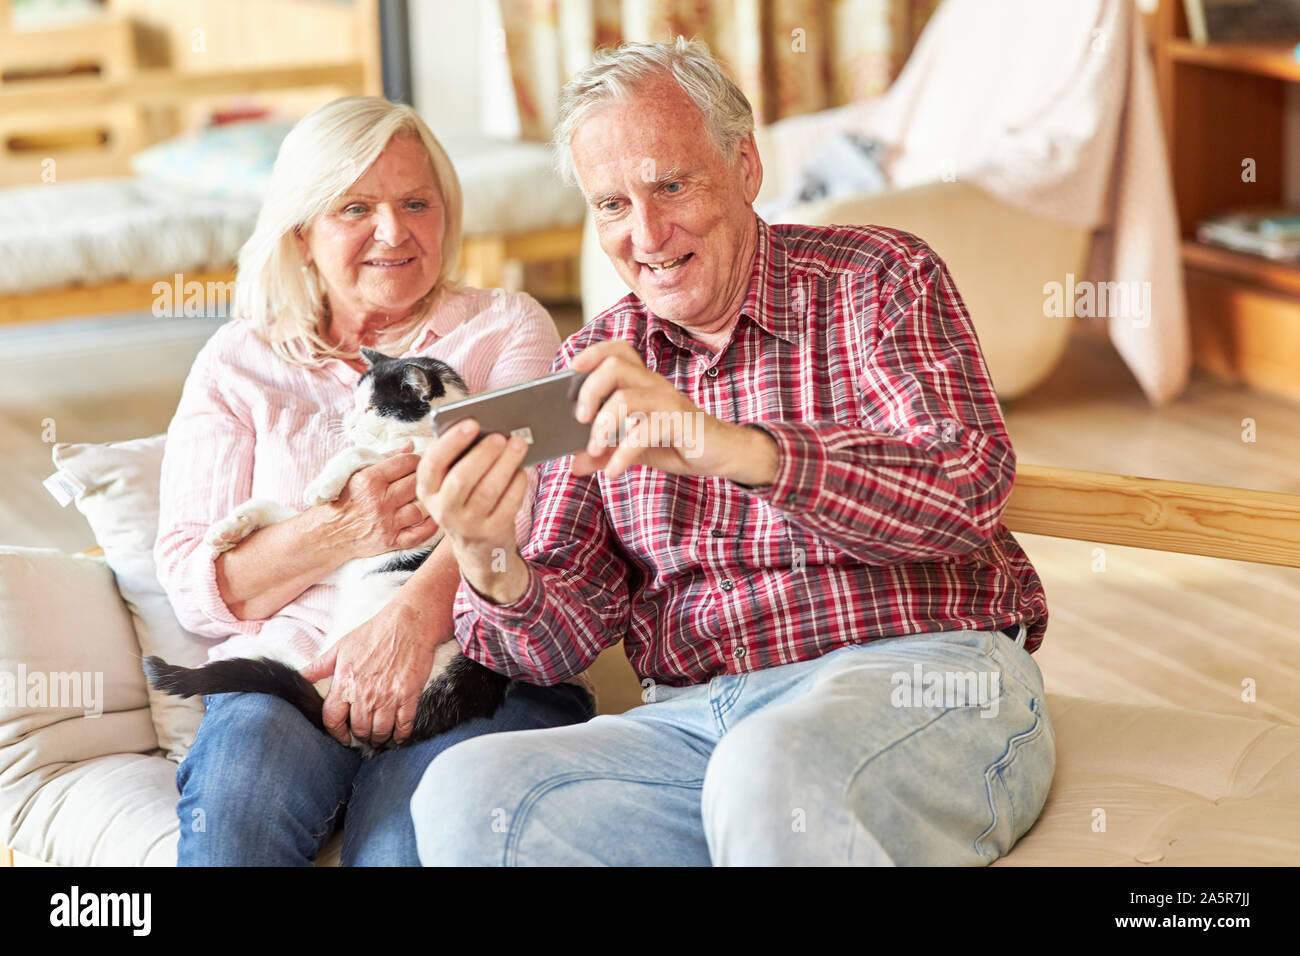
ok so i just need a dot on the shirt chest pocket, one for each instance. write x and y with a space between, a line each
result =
771 540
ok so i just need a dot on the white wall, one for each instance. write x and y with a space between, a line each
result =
459 76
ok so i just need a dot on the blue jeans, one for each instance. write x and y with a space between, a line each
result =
852 758
262 787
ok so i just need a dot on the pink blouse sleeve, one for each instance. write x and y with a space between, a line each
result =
207 470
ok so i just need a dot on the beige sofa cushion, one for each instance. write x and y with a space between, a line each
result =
71 689
115 810
1172 788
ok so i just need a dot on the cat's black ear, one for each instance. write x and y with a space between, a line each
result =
417 379
372 356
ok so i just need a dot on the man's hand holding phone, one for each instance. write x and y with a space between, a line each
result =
637 417
474 501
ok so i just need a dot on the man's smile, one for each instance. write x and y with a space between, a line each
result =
665 270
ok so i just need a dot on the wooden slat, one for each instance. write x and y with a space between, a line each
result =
1279 276
108 44
71 301
1274 60
1237 523
161 86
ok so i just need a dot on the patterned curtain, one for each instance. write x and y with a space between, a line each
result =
788 56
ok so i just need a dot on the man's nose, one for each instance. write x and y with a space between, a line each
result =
390 228
650 228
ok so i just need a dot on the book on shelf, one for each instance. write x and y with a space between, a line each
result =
1242 21
1272 233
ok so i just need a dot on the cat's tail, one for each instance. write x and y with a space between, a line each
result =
238 675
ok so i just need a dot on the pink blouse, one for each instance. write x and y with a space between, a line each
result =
252 425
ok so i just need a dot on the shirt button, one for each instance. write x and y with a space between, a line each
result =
713 372
717 532
790 500
727 585
738 653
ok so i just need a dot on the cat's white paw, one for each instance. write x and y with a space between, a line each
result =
324 489
229 531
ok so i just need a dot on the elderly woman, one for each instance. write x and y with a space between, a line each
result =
355 246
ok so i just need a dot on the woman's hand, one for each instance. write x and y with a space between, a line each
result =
378 510
379 671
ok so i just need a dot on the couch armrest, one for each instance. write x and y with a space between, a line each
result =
70 665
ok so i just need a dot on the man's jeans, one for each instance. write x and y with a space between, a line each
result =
926 749
262 787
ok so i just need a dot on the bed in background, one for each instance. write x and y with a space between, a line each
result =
82 232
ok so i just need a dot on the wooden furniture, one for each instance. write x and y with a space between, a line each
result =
1225 105
1157 514
485 260
89 94
78 100
115 85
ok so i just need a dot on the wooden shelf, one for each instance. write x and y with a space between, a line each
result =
1222 103
1276 60
156 86
1265 273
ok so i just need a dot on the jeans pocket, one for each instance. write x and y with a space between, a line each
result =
1018 783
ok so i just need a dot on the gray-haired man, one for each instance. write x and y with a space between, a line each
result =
789 514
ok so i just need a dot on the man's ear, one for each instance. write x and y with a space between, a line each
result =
751 167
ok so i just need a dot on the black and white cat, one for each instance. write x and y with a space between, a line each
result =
391 406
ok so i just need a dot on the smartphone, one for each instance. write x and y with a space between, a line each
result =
541 411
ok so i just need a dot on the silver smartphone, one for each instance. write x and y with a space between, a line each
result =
541 411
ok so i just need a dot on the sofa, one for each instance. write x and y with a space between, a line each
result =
87 766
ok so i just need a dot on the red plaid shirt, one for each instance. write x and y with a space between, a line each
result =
856 354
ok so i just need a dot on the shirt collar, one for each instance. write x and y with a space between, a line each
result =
766 302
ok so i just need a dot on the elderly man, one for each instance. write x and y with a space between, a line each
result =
789 514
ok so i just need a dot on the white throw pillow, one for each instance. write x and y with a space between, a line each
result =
116 487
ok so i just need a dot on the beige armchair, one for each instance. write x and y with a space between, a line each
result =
999 257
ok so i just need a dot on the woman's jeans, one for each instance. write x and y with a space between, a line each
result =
262 787
926 749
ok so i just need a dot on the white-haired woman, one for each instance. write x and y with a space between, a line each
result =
355 246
